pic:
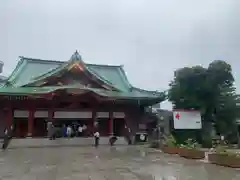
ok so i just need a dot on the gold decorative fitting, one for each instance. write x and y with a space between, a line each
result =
76 66
79 67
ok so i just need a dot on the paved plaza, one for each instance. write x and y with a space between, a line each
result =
105 163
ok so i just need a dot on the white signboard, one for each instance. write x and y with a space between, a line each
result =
187 119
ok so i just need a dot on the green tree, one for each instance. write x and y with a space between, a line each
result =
222 81
209 90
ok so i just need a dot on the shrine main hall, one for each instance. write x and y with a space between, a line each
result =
65 92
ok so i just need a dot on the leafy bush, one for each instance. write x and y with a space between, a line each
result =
220 149
190 144
170 141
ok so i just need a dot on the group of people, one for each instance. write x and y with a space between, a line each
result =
79 131
69 131
65 130
75 130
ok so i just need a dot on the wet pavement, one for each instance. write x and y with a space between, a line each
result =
105 163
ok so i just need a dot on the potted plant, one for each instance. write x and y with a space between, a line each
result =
222 156
170 145
190 150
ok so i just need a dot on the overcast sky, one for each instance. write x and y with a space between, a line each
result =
151 38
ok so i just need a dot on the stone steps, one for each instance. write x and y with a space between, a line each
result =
60 142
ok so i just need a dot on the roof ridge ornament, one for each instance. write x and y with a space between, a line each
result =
76 62
76 56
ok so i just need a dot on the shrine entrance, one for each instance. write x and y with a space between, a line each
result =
74 119
33 123
119 123
103 119
20 127
103 128
39 127
118 127
20 123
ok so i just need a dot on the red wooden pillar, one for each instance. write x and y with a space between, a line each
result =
9 120
50 114
30 122
110 125
49 119
93 125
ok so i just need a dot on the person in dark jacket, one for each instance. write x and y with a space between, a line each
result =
128 135
7 137
112 140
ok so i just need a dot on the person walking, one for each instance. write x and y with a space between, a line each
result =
69 131
128 135
54 131
49 130
64 130
7 137
80 130
96 138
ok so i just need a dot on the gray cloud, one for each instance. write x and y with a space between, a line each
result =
151 38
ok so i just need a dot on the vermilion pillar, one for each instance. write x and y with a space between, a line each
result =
94 114
9 117
110 125
30 122
50 114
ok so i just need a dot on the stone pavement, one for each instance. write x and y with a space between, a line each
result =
60 142
105 163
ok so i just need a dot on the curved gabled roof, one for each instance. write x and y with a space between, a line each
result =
29 70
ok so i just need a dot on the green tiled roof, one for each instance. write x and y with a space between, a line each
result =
29 70
75 58
134 95
49 89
